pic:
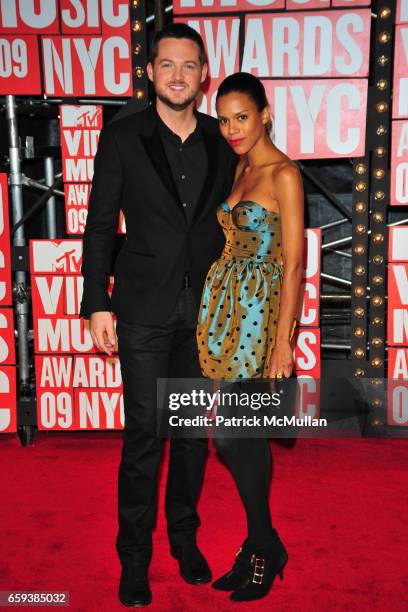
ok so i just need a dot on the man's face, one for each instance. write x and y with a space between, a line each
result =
177 72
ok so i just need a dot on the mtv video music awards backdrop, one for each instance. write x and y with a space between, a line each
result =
314 58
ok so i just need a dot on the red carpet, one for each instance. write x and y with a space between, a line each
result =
340 507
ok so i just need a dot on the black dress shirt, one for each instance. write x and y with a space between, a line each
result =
188 163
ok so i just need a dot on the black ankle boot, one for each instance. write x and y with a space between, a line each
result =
238 575
265 564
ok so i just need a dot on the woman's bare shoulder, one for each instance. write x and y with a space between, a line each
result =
285 169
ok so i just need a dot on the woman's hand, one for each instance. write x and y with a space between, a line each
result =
281 363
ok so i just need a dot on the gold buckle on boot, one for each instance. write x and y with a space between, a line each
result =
259 566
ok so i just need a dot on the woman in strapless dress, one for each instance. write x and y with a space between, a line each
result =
248 309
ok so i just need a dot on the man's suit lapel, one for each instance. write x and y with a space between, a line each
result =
154 148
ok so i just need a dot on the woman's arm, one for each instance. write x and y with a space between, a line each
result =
289 194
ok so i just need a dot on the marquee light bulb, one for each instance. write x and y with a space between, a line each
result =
360 207
136 26
359 270
383 60
361 186
384 37
359 291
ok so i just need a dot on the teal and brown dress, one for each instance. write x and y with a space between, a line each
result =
240 303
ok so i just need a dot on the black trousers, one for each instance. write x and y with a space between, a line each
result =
148 352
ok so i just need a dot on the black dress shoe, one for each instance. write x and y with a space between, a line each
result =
193 566
134 588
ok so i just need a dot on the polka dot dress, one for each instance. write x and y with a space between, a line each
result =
240 303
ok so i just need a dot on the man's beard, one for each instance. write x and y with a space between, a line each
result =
174 105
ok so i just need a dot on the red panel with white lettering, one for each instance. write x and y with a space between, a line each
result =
56 298
316 119
400 88
397 403
311 279
399 164
307 352
54 371
7 346
55 404
313 118
184 7
402 11
397 312
221 39
81 392
398 243
327 44
302 5
87 65
57 327
398 363
29 17
55 410
308 397
19 65
57 257
98 372
76 208
347 3
82 18
80 130
8 399
99 409
5 264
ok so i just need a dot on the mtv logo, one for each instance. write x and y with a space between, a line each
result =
83 116
56 256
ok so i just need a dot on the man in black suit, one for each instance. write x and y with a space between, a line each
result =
167 168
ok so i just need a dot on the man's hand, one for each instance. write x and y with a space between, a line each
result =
103 331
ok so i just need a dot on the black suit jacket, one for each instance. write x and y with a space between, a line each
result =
132 173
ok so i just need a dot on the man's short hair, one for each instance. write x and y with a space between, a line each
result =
177 30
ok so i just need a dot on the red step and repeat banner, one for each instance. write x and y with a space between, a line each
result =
77 389
8 407
313 57
80 127
314 66
63 48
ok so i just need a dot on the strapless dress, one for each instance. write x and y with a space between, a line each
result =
240 302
